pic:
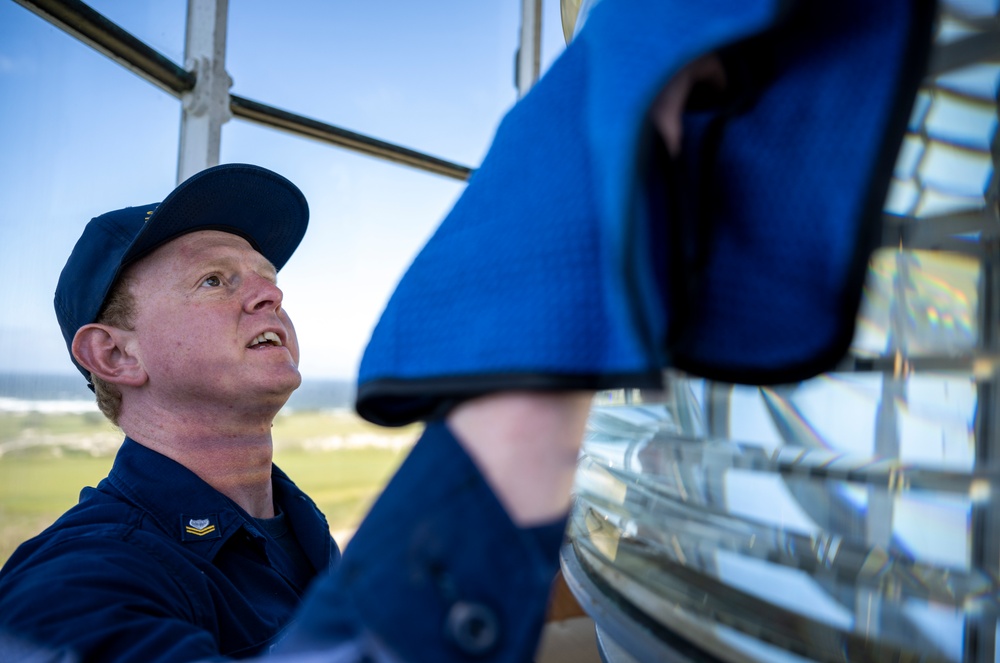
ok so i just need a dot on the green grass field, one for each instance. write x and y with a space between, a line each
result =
341 461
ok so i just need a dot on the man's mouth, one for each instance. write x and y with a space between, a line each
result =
269 338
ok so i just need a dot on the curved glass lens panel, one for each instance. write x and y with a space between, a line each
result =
844 514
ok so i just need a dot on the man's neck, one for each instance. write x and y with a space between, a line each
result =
233 456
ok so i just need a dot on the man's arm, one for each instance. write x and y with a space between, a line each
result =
438 570
526 445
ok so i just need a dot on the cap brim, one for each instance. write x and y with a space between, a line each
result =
259 205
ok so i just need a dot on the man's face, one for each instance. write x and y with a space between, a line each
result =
209 326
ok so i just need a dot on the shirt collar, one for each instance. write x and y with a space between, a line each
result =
185 508
179 503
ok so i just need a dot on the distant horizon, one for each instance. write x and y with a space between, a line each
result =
76 374
315 393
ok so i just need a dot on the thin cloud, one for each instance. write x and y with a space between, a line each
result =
10 65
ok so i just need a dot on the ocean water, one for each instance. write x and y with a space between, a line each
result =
65 393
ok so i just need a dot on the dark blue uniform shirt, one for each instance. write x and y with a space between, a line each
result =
156 565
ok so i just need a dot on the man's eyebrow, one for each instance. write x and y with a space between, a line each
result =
270 271
263 266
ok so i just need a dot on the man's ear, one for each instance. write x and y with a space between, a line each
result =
104 351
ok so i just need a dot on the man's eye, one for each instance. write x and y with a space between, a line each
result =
212 281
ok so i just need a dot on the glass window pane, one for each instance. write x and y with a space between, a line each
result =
159 24
84 136
434 77
81 135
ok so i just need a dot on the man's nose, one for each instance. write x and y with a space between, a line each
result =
264 294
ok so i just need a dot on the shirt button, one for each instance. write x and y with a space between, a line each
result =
472 627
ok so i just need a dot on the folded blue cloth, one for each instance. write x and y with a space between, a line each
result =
581 257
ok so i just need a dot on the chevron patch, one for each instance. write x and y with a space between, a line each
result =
199 528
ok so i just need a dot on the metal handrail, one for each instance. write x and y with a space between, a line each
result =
97 31
276 118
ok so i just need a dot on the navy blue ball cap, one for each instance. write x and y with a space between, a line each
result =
255 203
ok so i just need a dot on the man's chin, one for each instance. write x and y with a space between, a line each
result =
288 384
275 390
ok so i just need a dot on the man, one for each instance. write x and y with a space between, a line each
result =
194 545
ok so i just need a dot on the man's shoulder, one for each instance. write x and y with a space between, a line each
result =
103 525
101 562
102 547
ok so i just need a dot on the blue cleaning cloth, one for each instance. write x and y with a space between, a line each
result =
581 257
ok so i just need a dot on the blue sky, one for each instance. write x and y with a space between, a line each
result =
82 135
